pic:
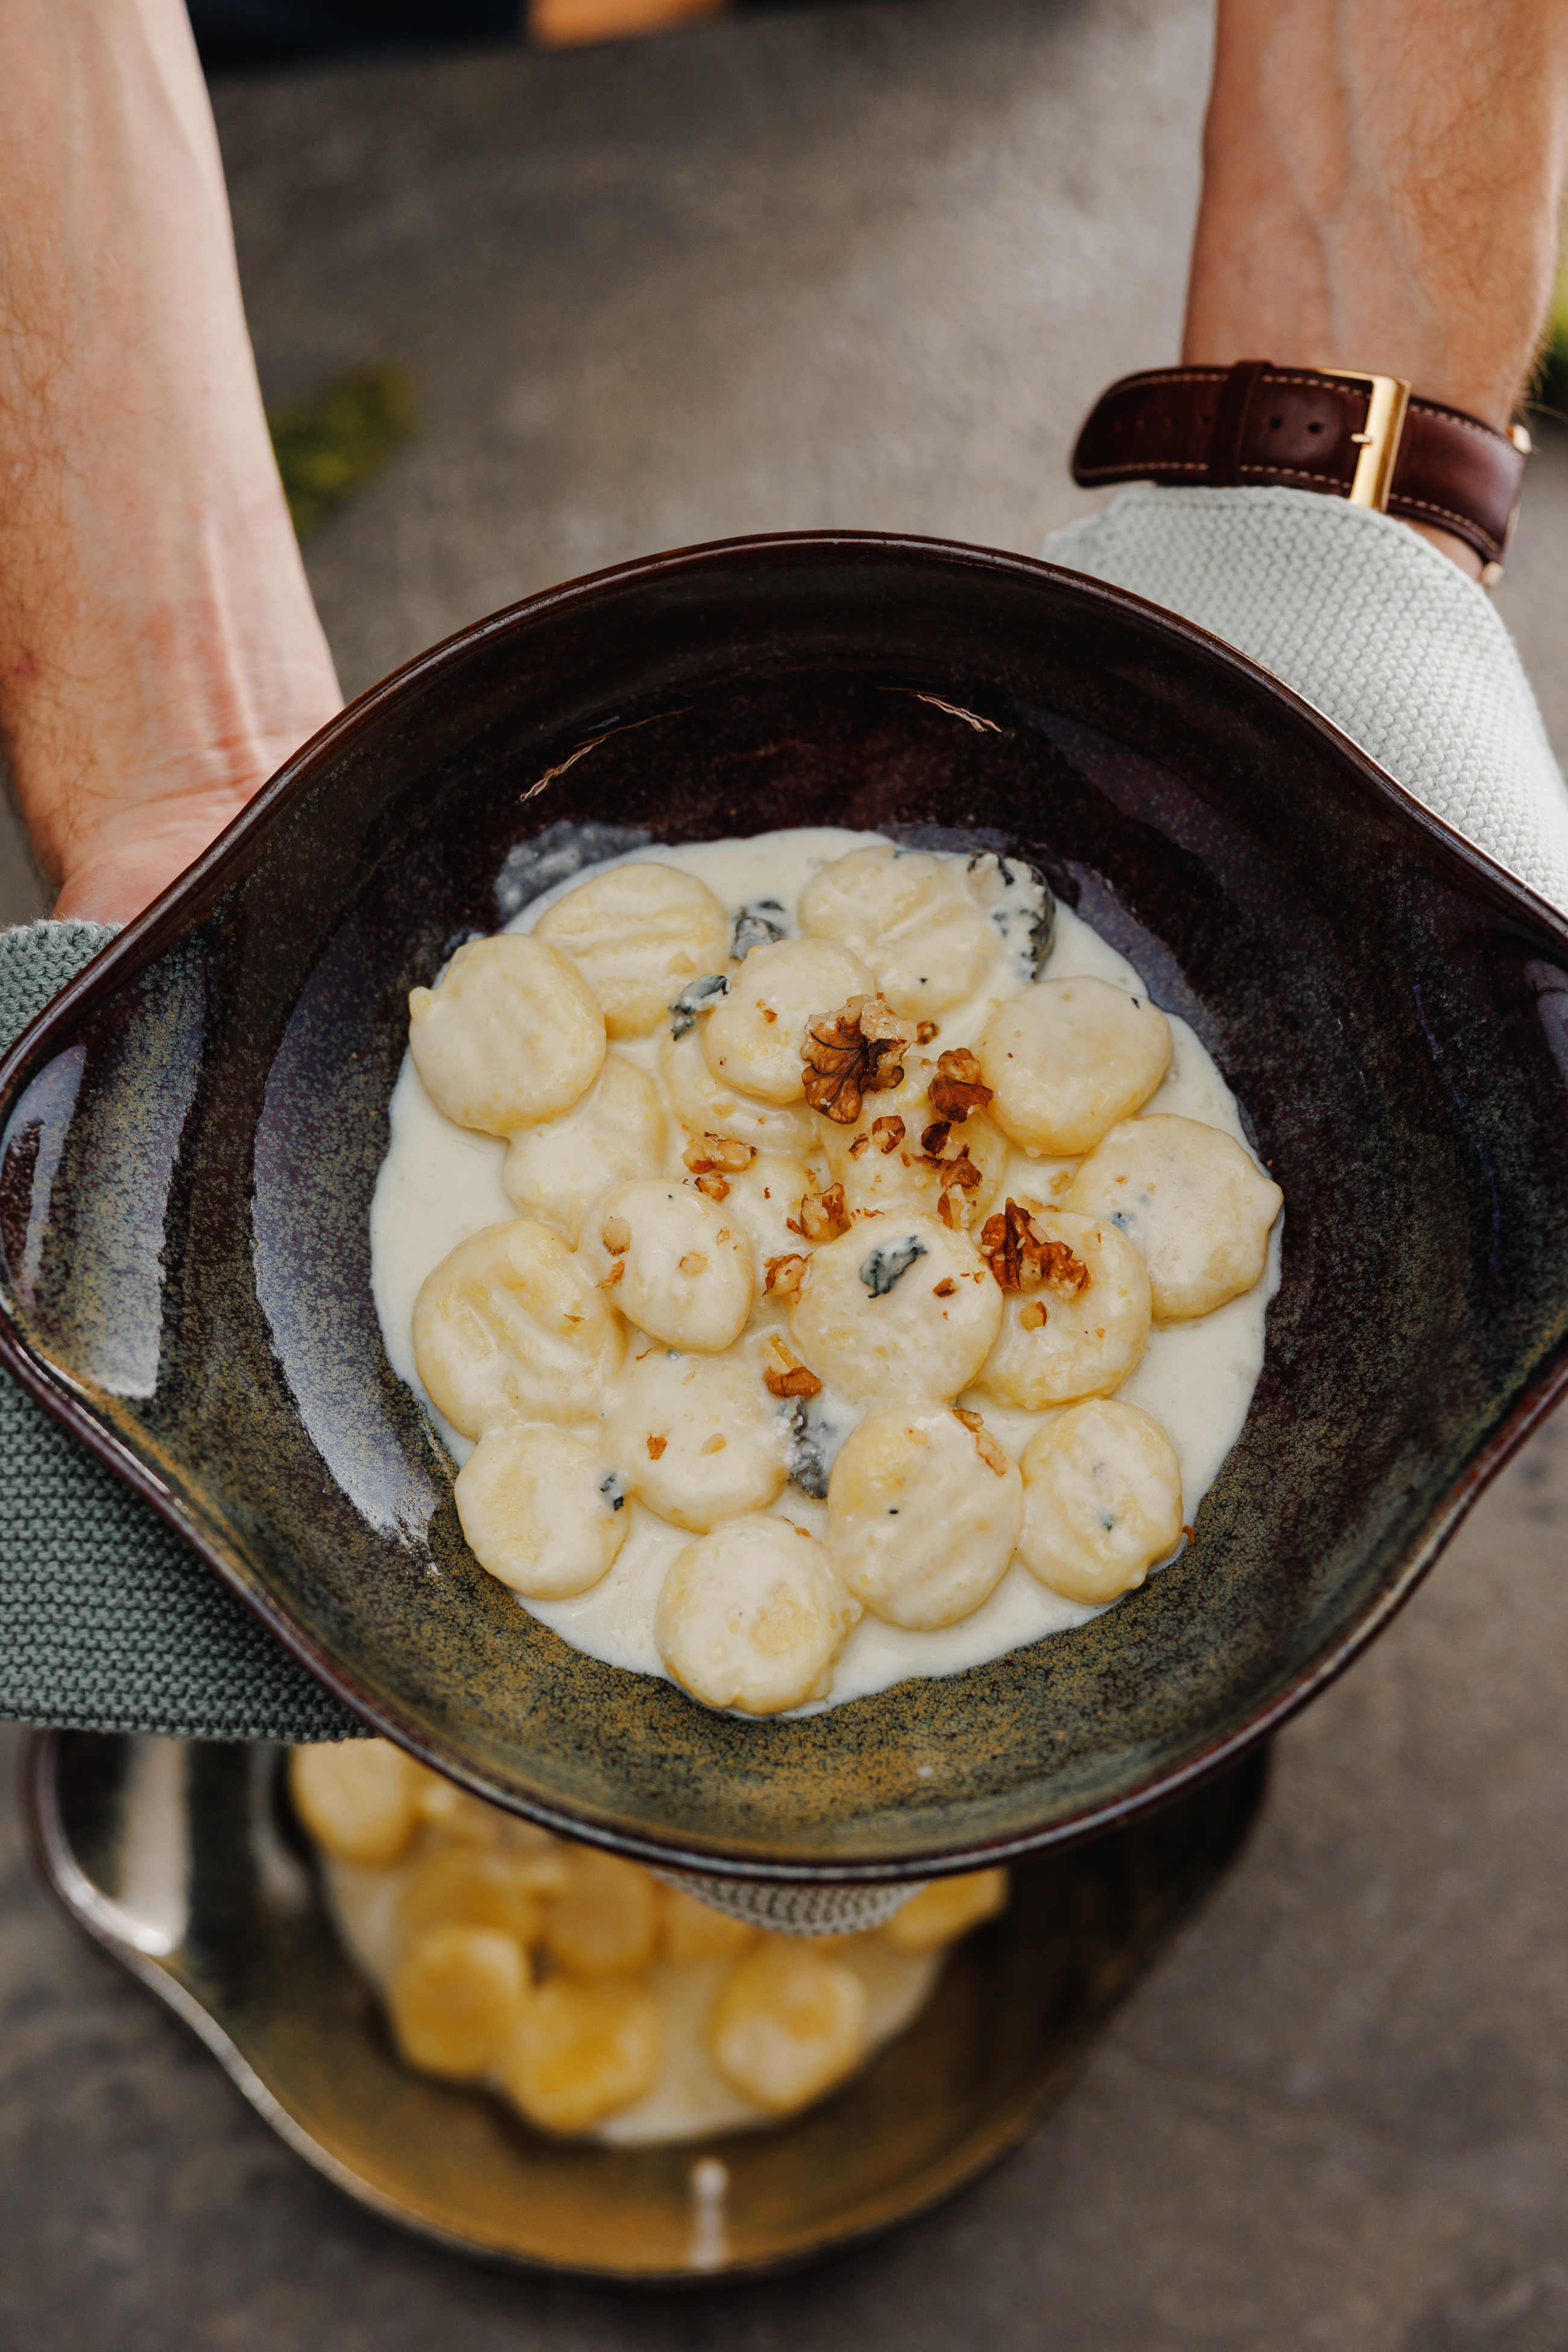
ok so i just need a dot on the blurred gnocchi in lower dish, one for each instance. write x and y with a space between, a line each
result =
886 1284
596 1998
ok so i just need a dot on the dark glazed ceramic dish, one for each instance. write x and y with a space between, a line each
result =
192 1130
184 1863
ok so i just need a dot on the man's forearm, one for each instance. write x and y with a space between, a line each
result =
1382 186
159 650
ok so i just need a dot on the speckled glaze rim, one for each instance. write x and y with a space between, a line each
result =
193 897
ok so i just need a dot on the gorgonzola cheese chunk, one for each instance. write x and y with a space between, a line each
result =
1197 1206
1067 1058
506 1328
924 1512
540 1509
672 1262
752 1617
510 1035
896 1310
912 919
638 935
1076 1335
754 1037
618 1129
1102 1500
698 1438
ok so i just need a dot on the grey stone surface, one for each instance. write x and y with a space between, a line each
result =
869 267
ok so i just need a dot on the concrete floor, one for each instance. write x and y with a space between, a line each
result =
869 267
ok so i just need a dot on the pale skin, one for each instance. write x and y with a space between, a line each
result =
1382 187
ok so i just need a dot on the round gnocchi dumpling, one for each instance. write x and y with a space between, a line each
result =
706 1107
946 1909
753 1039
698 1438
788 2023
764 1196
1081 1331
506 1328
618 1130
1102 1500
1067 1058
579 2052
456 1998
895 1309
901 1154
752 1617
471 1887
604 1920
510 1035
638 935
673 1262
911 918
1198 1206
357 1797
540 1509
924 1512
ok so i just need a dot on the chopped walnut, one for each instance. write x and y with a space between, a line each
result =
946 1288
714 1153
985 1445
784 1276
1033 1317
716 1187
786 1376
616 1234
853 1052
695 1262
862 1143
925 1033
614 1275
715 1444
1022 1256
933 1139
888 1132
958 1087
655 1446
822 1215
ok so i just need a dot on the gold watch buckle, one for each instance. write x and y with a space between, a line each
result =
1388 400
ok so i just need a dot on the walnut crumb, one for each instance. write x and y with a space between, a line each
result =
1190 1532
1022 1256
926 1031
888 1133
719 1154
985 1445
715 1444
786 1376
958 1087
946 1288
655 1446
854 1052
716 1187
1033 1317
933 1139
694 1261
861 1143
767 1013
785 1275
822 1215
614 1275
616 1234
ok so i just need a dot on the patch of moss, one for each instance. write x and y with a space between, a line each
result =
328 446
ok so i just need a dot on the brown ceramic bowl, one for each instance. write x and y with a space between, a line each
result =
183 1861
1388 1006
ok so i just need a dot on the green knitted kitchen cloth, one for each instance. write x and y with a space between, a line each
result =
108 1622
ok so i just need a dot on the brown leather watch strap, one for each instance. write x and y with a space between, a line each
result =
1356 437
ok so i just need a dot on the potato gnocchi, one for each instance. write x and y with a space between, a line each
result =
883 1285
597 2001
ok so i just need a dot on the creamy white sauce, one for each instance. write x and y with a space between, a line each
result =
690 2098
439 1183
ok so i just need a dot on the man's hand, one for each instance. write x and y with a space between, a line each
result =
1382 181
159 651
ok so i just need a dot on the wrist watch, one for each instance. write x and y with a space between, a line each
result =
1340 430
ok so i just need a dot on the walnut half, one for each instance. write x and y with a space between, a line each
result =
1023 1257
858 1050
